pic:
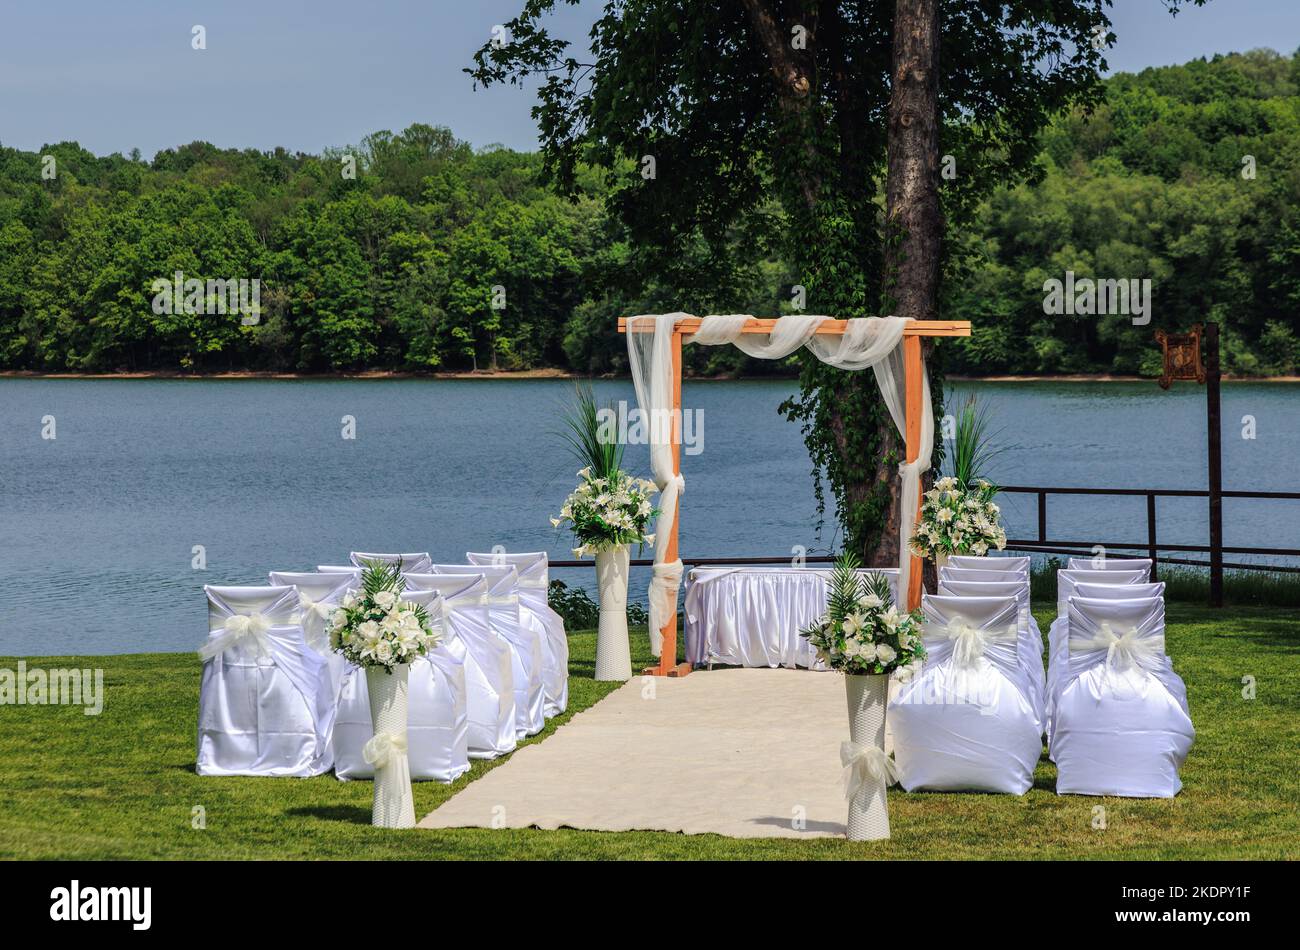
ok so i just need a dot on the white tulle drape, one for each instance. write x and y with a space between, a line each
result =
866 342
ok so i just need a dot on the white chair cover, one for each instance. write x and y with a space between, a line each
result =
1031 638
264 702
489 676
437 722
341 569
1017 565
1122 722
751 616
982 574
416 563
966 722
1057 632
318 595
1110 564
534 582
524 635
1119 591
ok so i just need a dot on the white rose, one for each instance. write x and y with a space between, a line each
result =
368 629
852 648
385 599
885 653
383 651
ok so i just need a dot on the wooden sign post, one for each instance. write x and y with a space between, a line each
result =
913 368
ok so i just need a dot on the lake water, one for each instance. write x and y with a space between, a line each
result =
99 524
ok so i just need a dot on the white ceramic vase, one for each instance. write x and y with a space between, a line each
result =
394 806
868 811
940 560
613 652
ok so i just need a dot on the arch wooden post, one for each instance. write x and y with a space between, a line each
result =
913 373
668 665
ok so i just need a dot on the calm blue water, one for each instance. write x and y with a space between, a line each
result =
97 526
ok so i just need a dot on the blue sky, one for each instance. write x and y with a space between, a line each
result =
307 74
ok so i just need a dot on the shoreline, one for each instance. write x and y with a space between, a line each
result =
552 373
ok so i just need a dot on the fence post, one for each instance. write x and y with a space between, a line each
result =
1151 533
1215 435
1042 516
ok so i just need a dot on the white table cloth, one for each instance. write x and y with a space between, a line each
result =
751 616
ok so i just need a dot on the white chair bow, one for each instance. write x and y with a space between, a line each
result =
1123 650
314 608
236 628
864 763
382 747
969 642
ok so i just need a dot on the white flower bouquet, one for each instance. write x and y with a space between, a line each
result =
374 627
862 631
609 512
956 520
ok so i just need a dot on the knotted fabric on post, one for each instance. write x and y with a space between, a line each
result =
864 763
866 342
382 747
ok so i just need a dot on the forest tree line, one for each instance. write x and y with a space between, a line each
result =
416 252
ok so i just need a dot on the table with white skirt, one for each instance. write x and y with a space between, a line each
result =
751 616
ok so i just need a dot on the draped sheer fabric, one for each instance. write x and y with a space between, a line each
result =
489 671
437 710
867 342
966 722
264 702
1122 725
752 616
534 582
522 632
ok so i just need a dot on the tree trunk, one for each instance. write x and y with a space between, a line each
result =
913 218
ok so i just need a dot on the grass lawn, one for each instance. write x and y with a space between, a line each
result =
122 784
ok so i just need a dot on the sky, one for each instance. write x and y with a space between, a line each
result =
310 74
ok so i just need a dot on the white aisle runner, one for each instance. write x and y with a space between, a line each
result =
746 753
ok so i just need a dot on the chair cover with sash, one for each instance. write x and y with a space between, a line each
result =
437 723
318 595
417 563
1110 564
1031 638
751 616
1056 634
265 707
1122 723
534 582
524 635
489 675
965 722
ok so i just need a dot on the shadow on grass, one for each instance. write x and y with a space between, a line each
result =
353 814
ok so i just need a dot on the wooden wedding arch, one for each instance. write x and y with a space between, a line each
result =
913 368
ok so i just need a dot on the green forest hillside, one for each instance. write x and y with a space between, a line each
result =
414 251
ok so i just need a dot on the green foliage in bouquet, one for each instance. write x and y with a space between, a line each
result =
585 435
862 631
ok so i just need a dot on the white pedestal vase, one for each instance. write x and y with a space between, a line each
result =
394 806
865 756
613 652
